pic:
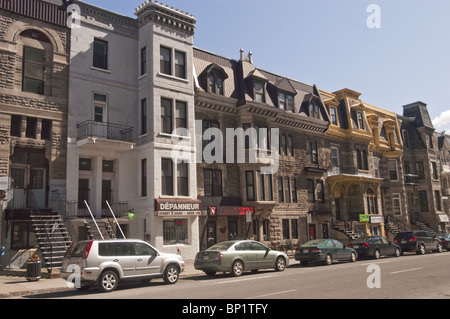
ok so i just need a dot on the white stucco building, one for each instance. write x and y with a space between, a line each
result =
131 85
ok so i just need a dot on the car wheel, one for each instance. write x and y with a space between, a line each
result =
280 264
353 257
376 254
171 274
439 248
328 259
237 269
397 252
421 250
109 280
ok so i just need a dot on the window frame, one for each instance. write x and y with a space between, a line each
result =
103 63
26 76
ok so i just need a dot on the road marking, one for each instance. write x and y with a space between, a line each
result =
273 294
398 272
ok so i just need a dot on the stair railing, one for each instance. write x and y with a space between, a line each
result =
62 209
96 225
115 219
47 236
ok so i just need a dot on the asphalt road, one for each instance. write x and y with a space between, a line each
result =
407 277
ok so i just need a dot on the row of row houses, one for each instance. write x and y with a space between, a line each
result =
123 121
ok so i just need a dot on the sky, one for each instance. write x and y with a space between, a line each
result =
394 52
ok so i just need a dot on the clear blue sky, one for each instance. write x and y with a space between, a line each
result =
328 43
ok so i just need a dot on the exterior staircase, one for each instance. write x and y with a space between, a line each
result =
346 228
104 231
52 238
424 226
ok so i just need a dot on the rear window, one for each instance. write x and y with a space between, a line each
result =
77 249
314 243
404 235
222 246
363 240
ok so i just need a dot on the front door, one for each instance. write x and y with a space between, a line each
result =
211 233
312 232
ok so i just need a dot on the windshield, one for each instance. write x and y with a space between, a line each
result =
222 246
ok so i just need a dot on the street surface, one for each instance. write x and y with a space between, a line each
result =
407 277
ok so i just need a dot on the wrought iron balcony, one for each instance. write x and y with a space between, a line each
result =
108 131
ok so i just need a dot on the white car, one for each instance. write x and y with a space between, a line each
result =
104 263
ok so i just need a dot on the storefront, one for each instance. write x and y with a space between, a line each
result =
226 223
370 225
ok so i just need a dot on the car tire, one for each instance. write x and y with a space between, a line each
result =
328 259
108 281
439 248
280 264
237 268
353 257
171 274
422 250
397 252
376 254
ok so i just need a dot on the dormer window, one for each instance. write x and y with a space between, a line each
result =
314 110
360 121
286 102
213 79
259 95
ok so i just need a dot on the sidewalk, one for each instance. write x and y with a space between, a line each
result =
14 283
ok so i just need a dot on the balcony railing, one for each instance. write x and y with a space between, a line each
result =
110 131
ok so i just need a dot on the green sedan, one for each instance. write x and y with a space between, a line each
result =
324 250
236 256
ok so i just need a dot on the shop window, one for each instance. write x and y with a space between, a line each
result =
175 231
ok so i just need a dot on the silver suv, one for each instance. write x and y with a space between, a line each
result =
104 263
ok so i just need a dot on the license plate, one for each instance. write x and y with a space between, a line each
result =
206 257
356 246
404 241
305 251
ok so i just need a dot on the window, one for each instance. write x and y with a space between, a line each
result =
435 170
294 190
180 64
46 131
181 115
143 116
392 167
360 121
376 167
294 229
100 104
290 145
265 192
290 103
320 194
314 110
33 70
280 190
250 185
144 177
143 61
333 113
372 204
215 83
167 177
108 166
166 116
16 125
283 145
259 92
175 231
310 191
423 201
85 164
282 101
396 204
405 138
165 61
287 189
31 128
100 54
311 149
437 196
182 179
334 154
420 170
290 229
212 182
285 225
209 124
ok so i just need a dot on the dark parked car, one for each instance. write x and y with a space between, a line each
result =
419 241
445 239
375 246
325 250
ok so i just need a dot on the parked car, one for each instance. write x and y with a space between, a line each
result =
419 241
105 263
237 256
445 239
375 246
324 250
